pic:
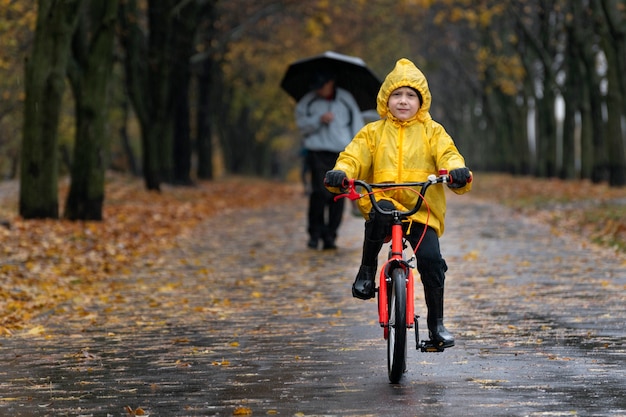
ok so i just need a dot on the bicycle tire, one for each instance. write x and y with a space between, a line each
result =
396 342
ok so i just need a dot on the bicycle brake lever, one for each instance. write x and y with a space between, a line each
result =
352 194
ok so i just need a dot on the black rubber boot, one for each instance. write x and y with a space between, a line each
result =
364 286
437 332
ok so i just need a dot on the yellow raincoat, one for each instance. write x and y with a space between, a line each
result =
389 150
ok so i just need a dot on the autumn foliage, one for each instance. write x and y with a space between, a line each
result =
50 264
58 266
595 211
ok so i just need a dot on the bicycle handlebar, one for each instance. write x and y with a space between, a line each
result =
351 184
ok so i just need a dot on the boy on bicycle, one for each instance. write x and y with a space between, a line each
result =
406 145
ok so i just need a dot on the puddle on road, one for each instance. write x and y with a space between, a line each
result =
279 334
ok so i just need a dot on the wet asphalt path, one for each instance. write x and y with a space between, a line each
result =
242 319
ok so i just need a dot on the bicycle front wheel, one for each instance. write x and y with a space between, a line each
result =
396 342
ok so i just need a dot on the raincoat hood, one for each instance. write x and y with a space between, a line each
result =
404 74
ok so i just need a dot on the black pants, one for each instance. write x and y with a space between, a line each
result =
324 214
430 264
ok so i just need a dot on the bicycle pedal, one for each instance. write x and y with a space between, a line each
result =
430 346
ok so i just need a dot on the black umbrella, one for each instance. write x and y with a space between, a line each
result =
350 72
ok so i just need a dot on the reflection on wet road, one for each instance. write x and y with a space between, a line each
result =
253 322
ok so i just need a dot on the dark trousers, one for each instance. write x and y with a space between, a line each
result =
430 264
324 214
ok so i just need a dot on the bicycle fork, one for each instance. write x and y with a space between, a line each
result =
396 260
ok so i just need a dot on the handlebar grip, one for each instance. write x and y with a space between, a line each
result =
344 180
471 177
451 180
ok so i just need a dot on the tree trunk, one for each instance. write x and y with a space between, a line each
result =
615 15
89 75
204 147
182 134
520 135
159 70
501 144
546 132
582 38
614 46
572 96
44 86
594 153
131 160
617 155
148 82
185 25
515 150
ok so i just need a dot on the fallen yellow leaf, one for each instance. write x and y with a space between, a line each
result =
35 331
242 411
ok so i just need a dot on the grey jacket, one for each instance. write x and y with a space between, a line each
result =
332 137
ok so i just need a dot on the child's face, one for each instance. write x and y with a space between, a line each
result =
404 103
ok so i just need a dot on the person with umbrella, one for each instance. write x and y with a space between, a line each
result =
328 117
331 90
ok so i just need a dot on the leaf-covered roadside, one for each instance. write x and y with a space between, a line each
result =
49 265
596 212
58 266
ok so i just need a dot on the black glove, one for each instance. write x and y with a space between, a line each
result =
459 177
335 178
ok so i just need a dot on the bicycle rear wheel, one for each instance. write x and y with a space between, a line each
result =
396 342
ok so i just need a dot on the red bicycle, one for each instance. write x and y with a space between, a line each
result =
396 306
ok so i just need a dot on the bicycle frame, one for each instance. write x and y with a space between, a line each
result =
397 259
